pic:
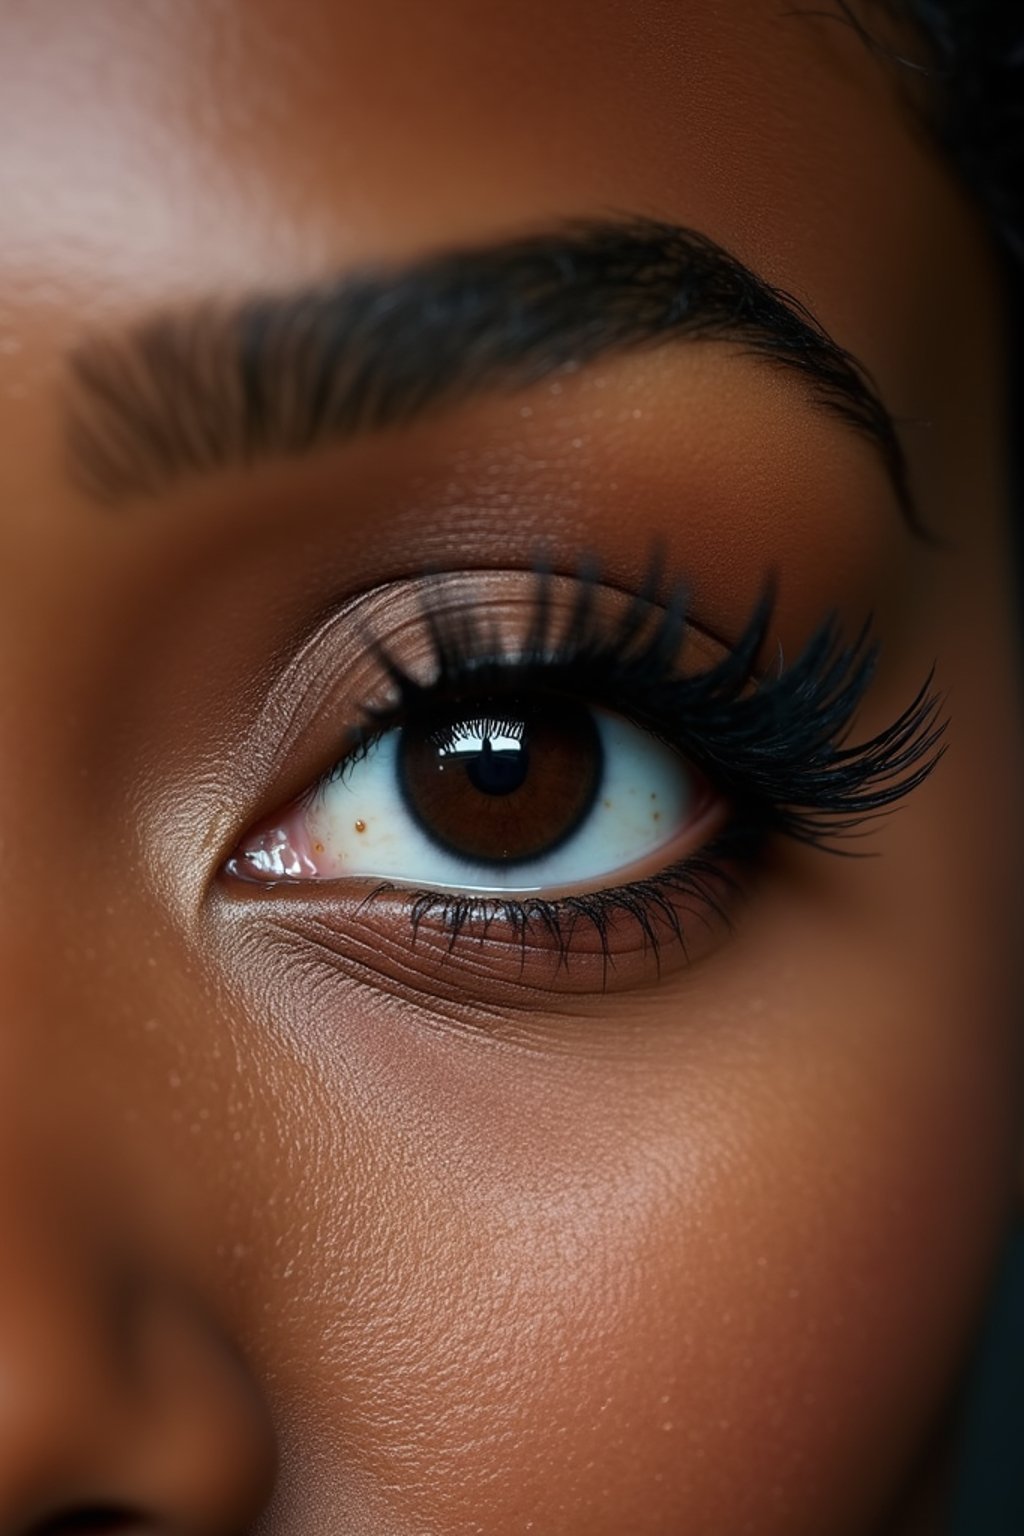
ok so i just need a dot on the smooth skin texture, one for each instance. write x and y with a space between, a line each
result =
302 1229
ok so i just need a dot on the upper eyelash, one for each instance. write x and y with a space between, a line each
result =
774 744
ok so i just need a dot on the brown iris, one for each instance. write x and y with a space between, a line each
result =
500 781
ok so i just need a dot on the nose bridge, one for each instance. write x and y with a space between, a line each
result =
60 1363
47 1036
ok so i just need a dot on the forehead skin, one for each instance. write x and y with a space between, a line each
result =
697 1256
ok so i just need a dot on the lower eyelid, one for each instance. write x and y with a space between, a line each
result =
504 959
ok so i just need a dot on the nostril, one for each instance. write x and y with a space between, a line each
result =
125 1409
90 1520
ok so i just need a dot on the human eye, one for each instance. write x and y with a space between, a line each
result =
525 792
588 767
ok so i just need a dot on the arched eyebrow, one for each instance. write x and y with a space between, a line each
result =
221 383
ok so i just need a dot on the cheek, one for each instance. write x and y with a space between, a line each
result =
582 1283
740 1286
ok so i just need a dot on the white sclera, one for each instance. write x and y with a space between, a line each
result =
360 824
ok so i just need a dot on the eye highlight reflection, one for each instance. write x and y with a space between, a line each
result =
501 796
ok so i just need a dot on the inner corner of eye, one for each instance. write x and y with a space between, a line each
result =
280 850
548 797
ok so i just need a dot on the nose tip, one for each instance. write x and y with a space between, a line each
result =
121 1417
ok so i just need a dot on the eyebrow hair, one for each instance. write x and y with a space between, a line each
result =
190 391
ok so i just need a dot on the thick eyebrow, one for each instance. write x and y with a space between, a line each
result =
221 383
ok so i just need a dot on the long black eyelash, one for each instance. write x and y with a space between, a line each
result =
775 744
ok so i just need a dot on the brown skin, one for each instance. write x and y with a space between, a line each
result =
462 1255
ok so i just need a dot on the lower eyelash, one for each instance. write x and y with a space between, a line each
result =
656 905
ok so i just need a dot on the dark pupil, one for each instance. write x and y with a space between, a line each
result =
502 782
498 770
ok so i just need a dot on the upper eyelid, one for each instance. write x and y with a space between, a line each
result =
327 672
511 660
821 690
323 679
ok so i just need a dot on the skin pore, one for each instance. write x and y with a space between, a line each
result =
303 1227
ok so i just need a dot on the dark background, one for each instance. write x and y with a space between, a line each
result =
990 1493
